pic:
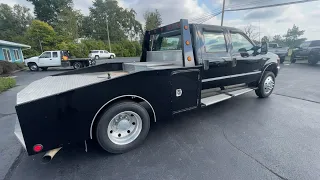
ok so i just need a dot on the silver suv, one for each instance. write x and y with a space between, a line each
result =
101 54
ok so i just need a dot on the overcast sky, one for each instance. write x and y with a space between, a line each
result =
274 20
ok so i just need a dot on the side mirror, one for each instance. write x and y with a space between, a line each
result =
243 52
264 48
206 65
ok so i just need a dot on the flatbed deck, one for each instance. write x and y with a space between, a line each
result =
53 85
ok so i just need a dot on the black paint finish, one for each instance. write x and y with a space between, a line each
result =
189 82
67 117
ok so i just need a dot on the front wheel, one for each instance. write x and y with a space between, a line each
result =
33 67
292 58
266 85
312 59
123 127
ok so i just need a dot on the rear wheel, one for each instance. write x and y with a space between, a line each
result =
33 67
96 57
77 65
266 85
123 127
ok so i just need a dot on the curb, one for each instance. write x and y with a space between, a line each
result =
11 73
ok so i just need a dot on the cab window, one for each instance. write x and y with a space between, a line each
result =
240 43
214 42
46 55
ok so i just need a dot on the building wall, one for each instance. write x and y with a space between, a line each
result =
13 59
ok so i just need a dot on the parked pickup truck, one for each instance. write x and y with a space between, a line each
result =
55 59
282 52
183 67
309 50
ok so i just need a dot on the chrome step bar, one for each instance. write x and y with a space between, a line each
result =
207 101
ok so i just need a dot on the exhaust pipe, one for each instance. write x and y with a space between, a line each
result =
50 155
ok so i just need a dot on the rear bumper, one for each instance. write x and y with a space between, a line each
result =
19 135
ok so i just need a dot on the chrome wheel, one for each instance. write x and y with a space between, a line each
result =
124 128
268 85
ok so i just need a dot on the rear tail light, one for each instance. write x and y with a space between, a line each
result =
37 148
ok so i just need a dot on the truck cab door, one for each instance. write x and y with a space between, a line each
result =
56 58
45 59
215 50
248 65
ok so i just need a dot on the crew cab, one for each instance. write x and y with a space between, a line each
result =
101 54
182 67
309 50
56 59
282 52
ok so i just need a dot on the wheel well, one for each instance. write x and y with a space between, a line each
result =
29 63
134 98
273 68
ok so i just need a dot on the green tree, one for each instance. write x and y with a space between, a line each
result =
121 21
153 20
278 39
292 38
14 22
68 23
48 10
41 36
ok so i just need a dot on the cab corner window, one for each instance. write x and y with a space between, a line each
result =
55 54
166 42
240 43
171 43
214 42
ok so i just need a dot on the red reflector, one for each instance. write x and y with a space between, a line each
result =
37 148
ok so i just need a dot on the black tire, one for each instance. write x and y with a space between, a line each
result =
77 65
96 57
312 59
93 62
102 126
293 58
44 68
33 67
112 56
260 92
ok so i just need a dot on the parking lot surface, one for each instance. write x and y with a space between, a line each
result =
242 138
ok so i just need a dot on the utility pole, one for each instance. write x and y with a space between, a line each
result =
224 2
259 32
108 33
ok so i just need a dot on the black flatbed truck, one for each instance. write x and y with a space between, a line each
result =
183 67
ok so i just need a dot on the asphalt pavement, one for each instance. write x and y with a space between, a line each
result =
242 138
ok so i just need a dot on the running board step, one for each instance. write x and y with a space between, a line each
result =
224 96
